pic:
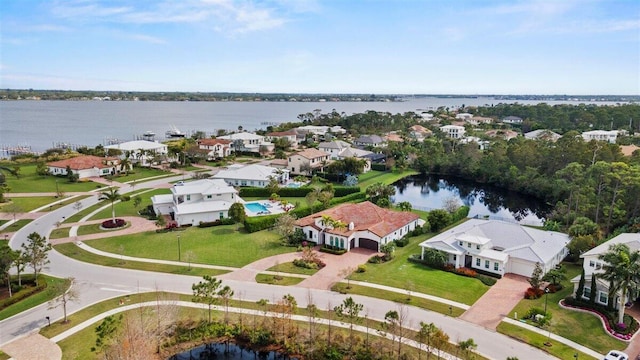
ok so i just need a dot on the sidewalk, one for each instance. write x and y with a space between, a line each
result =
33 347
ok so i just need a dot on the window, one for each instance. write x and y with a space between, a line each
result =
221 215
592 263
188 197
477 247
603 297
586 293
460 243
478 262
310 234
486 264
598 265
469 245
496 266
342 243
455 257
208 196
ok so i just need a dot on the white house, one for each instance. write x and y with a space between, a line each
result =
218 148
197 201
463 116
370 140
366 226
542 134
85 166
512 120
477 120
601 135
305 161
334 148
290 135
249 142
500 247
140 151
593 265
453 131
252 175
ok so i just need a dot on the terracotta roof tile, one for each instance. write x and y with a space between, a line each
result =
85 162
311 153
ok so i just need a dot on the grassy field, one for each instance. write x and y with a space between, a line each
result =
126 208
277 280
33 300
95 229
73 251
557 349
59 233
385 177
220 245
29 203
292 269
29 182
402 274
16 226
140 173
580 327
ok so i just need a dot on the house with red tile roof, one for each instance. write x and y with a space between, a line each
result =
366 225
218 148
85 166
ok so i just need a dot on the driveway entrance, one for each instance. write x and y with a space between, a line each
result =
496 303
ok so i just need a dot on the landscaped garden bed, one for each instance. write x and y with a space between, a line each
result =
111 224
623 331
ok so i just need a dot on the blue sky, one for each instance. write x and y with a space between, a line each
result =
333 46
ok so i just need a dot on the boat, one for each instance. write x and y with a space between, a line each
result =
149 136
174 133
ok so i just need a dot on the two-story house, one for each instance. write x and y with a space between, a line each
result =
141 152
291 136
500 247
217 148
593 265
196 201
370 141
248 142
306 161
334 148
601 135
252 175
453 131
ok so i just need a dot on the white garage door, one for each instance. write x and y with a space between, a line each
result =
521 267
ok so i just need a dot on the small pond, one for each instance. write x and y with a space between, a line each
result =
227 351
431 192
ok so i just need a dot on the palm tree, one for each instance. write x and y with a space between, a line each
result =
622 270
125 164
112 195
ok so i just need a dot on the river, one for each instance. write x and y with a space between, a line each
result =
41 124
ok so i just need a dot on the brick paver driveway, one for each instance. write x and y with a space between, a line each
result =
336 264
496 303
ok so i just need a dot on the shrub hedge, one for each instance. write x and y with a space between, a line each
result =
225 221
379 167
339 191
332 250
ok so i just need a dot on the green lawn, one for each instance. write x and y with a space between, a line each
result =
29 182
73 251
401 273
33 300
16 226
582 328
59 233
277 280
220 245
95 229
556 349
292 269
29 203
139 173
126 208
386 177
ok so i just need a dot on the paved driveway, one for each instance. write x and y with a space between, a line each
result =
496 303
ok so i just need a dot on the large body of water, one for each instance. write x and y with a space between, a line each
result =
431 192
40 124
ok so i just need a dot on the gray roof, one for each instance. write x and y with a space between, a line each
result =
370 139
205 187
518 241
336 144
249 172
632 240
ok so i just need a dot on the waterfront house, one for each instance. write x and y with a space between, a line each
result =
217 148
85 166
453 131
500 247
307 161
366 225
196 201
334 148
248 142
141 152
593 265
252 175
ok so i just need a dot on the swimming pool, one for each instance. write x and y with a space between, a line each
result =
293 185
256 207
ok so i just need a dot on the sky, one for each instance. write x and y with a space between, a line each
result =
582 47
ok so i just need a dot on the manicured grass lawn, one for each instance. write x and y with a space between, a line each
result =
139 173
95 229
401 273
29 203
33 300
16 226
403 298
29 182
386 177
292 269
557 349
59 233
220 245
73 251
126 208
580 327
281 280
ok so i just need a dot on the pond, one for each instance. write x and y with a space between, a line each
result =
227 351
431 192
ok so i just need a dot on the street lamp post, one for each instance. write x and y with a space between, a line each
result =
179 257
546 296
48 320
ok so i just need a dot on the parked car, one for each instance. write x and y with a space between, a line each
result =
616 355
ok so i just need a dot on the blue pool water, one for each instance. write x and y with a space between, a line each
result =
255 207
293 185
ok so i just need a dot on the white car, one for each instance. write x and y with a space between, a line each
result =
616 355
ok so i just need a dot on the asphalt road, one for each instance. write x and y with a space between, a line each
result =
96 283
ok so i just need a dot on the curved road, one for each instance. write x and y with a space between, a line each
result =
96 283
